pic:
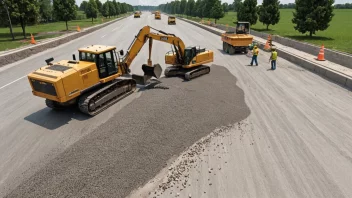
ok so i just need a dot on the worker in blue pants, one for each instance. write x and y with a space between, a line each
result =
273 58
255 55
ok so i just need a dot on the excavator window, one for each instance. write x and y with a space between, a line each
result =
84 56
101 66
190 53
106 64
110 62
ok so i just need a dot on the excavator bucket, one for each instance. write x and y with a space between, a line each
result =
154 70
149 72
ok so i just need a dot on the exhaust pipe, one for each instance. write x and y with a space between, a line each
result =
149 72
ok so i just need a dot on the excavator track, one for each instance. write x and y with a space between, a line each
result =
173 71
96 101
188 74
199 71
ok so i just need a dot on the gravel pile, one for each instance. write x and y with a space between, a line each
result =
179 172
133 146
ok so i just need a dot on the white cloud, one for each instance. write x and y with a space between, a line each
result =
157 2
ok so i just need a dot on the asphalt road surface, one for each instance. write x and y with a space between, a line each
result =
303 118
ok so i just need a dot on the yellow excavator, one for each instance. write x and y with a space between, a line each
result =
157 15
100 77
137 14
186 61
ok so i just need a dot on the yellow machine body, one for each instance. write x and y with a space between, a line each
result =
188 56
137 14
238 40
171 20
65 80
93 81
157 15
200 59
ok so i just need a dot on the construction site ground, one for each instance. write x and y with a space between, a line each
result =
260 133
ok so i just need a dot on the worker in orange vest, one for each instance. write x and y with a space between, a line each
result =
255 55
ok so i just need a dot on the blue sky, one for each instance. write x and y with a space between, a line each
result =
157 2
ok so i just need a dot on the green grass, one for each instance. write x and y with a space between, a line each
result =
43 31
338 36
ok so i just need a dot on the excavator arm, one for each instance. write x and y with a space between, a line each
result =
183 65
175 41
143 36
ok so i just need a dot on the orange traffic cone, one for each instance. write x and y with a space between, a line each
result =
33 40
321 54
78 29
267 44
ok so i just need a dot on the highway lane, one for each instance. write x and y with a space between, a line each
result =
30 133
303 116
300 124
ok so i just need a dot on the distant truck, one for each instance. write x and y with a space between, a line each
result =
137 14
238 41
157 15
171 20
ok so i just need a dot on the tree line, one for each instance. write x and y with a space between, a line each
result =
200 8
336 6
30 12
93 8
343 6
309 15
142 8
287 6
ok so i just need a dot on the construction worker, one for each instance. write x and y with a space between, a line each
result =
255 55
273 58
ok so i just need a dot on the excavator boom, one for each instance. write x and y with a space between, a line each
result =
142 37
184 60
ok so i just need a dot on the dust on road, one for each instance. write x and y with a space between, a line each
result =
133 146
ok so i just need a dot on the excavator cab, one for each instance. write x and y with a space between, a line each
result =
191 52
105 59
